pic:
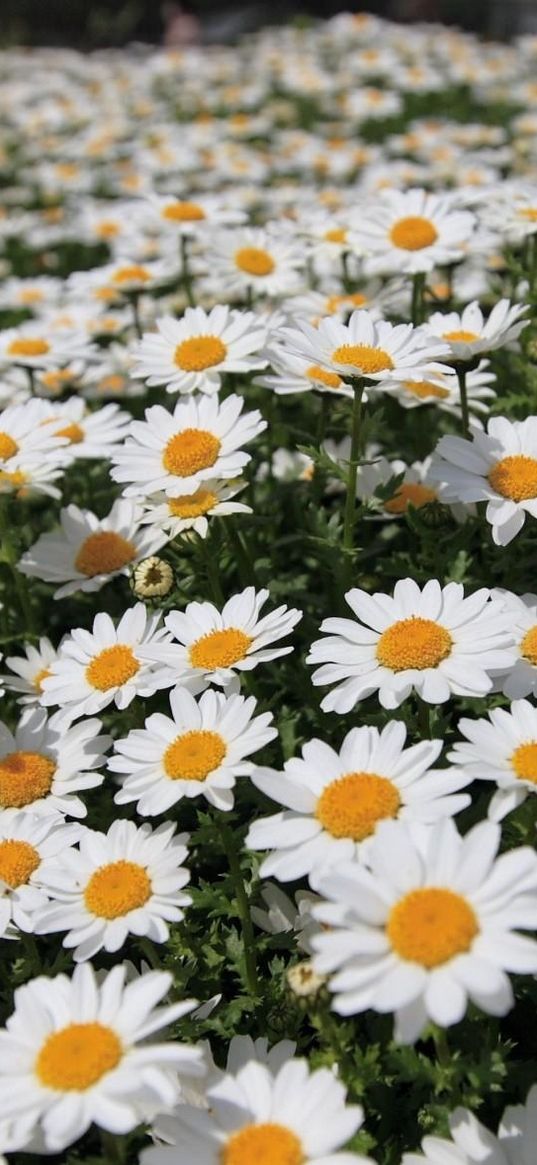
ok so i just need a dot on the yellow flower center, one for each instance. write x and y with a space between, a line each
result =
413 643
103 552
112 667
528 647
190 451
353 805
199 352
363 357
73 433
355 299
77 1057
24 777
194 755
112 383
254 261
18 860
116 889
38 679
183 212
431 926
524 762
528 212
219 648
515 477
30 295
413 233
337 235
7 446
28 347
424 388
107 229
410 493
133 273
264 1144
192 505
329 379
16 479
461 336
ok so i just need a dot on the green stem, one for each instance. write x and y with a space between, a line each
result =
187 278
321 420
441 1045
135 303
461 376
418 288
424 718
243 906
114 1148
356 432
239 551
211 571
9 554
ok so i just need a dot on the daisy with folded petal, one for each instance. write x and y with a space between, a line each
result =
468 334
42 769
431 924
335 801
502 749
433 641
191 354
105 665
34 474
27 842
520 679
76 1052
284 1116
87 551
89 434
125 277
256 261
34 345
291 374
192 511
29 670
199 751
471 1143
410 232
178 452
23 436
444 391
498 466
127 881
193 215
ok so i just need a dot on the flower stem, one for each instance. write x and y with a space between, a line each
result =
114 1148
239 551
418 288
356 433
9 555
443 1053
461 376
187 277
424 718
243 906
211 571
135 303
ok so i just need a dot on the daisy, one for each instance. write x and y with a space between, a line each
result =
89 434
127 881
199 750
498 466
123 278
468 334
174 515
502 749
42 768
433 641
33 345
104 666
432 923
520 679
33 475
27 842
29 670
411 232
444 391
75 1052
335 801
194 215
256 261
257 1114
23 436
191 354
213 645
178 452
293 374
472 1144
87 551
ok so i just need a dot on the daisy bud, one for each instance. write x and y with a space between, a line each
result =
152 578
304 981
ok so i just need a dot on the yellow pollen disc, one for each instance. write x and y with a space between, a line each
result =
18 860
190 451
424 388
355 299
28 348
113 383
199 352
107 229
16 478
192 505
264 1144
363 357
254 261
329 379
337 235
413 233
461 337
133 273
116 889
413 643
38 679
431 926
183 212
73 433
112 667
192 756
515 477
103 552
219 648
528 647
76 1057
24 777
529 213
31 295
7 446
410 493
524 762
353 805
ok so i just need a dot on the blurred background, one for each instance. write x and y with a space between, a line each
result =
89 25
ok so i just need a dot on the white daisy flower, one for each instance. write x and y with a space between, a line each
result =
124 277
502 749
444 391
498 466
193 216
292 374
256 260
213 645
335 801
33 475
467 333
42 768
34 345
432 923
87 551
433 641
29 670
127 881
191 354
89 434
286 1115
199 751
27 842
174 515
178 452
104 666
411 231
472 1144
520 679
23 436
75 1052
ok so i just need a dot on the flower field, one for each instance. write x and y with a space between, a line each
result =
268 609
